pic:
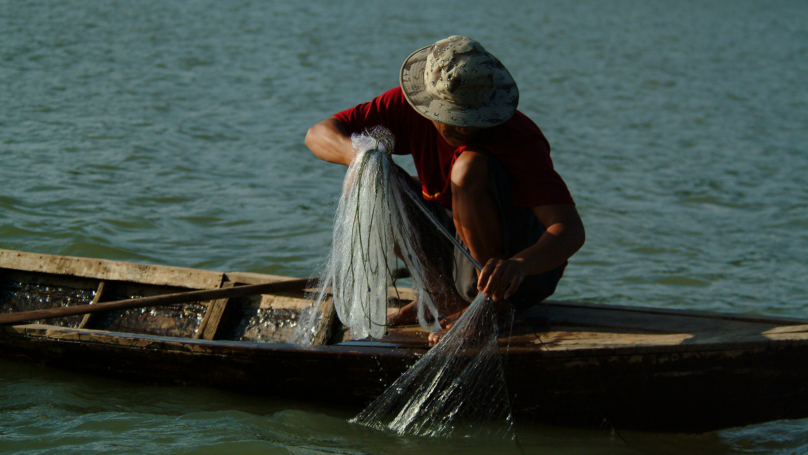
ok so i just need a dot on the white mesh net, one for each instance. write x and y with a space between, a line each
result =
371 225
456 389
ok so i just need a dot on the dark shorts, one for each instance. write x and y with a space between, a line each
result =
521 229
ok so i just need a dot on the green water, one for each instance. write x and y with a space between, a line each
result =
172 133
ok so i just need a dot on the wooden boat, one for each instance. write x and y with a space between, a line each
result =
567 363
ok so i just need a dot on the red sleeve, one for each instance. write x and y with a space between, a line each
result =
390 110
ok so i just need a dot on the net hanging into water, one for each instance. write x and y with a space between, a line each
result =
457 388
371 225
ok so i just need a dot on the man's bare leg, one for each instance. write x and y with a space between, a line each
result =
444 294
475 213
474 210
448 302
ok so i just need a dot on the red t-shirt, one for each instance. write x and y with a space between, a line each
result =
518 144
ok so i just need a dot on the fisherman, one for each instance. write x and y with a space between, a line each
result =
482 165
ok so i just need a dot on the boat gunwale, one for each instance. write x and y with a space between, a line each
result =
44 332
705 314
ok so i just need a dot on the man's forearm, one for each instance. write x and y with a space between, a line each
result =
558 243
564 235
329 142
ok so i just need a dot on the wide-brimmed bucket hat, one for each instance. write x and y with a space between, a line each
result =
457 82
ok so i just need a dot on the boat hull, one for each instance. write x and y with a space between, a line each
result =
666 391
566 363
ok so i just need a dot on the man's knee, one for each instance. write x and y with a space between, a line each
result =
470 172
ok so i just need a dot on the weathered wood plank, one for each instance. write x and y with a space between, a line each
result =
103 269
402 293
623 316
283 301
210 323
96 299
322 329
648 320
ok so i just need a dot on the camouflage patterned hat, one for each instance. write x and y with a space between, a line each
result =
457 82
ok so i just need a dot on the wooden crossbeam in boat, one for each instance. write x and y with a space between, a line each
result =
96 299
210 323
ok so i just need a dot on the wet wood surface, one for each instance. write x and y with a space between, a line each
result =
103 269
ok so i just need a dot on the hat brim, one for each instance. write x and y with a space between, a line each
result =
501 107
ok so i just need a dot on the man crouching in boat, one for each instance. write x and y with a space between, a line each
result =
479 159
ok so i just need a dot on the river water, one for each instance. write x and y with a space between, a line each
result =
172 133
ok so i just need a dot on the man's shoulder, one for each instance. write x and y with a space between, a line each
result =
521 131
389 109
393 99
395 108
522 122
396 93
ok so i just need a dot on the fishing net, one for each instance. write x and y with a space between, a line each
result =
457 388
371 228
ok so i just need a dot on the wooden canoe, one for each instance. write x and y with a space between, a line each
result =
568 363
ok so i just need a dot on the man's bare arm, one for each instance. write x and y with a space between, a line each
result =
329 142
564 235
